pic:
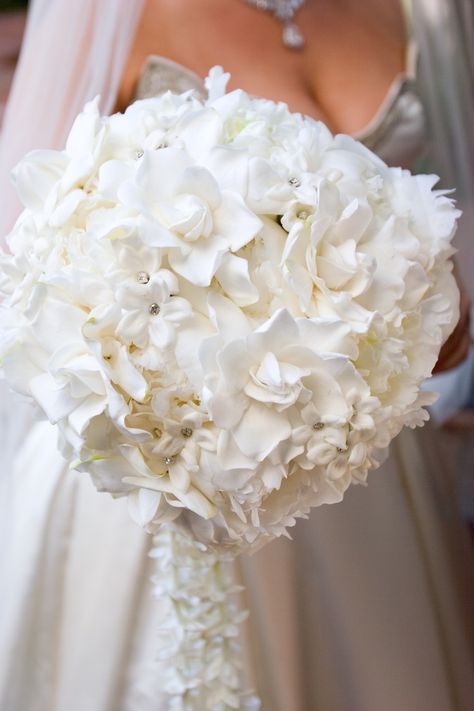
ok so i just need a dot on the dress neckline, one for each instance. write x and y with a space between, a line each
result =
396 88
398 84
182 76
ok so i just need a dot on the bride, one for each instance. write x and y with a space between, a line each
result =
364 610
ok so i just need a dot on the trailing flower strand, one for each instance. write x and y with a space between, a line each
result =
199 625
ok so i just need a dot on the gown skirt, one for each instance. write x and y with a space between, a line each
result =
368 609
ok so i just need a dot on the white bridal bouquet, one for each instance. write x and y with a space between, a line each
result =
226 310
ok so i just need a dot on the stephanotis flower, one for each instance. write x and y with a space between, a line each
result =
227 311
340 444
133 262
151 309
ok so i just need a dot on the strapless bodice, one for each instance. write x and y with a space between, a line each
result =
397 132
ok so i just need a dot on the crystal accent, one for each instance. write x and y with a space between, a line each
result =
318 426
143 277
154 309
340 450
292 37
283 11
138 154
186 432
294 182
168 460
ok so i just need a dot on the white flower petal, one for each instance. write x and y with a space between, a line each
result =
233 276
260 430
235 222
199 264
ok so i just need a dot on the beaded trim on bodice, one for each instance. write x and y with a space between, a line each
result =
160 74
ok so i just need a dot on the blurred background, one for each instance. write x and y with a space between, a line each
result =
12 23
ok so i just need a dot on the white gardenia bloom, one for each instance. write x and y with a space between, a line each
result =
187 215
227 311
275 366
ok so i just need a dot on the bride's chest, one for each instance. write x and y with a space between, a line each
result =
342 75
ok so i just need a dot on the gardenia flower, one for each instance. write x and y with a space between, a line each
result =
187 215
251 383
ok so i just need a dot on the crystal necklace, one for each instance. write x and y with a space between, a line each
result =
283 10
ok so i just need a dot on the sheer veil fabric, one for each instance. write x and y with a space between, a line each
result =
72 52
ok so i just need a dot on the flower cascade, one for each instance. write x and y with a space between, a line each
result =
226 310
199 629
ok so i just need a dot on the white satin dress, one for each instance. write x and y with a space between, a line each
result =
366 610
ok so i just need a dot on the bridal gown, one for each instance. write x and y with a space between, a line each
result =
366 610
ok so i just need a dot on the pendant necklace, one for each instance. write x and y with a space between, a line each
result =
283 11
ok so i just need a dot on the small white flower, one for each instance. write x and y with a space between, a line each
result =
151 310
